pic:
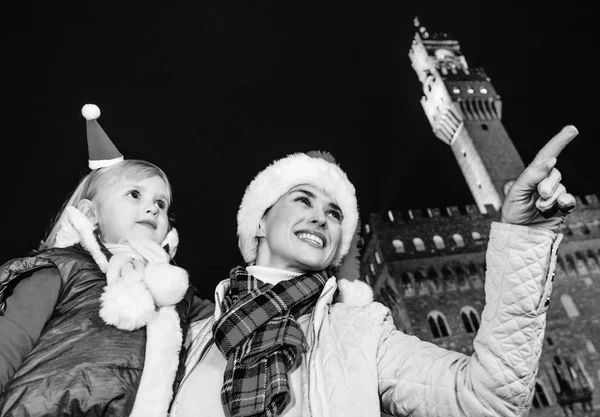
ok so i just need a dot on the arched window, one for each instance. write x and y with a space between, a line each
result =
569 305
372 268
433 276
448 278
592 262
570 265
458 239
560 270
461 276
540 398
438 324
419 244
367 229
580 264
470 319
476 236
439 242
407 283
398 245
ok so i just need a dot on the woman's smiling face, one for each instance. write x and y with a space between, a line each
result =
301 232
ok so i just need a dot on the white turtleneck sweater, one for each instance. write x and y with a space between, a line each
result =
201 394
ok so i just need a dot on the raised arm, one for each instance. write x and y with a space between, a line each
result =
419 379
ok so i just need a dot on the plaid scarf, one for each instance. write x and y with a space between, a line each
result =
262 341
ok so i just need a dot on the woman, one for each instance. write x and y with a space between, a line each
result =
288 339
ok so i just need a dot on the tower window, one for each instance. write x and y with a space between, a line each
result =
390 215
419 244
483 90
470 90
456 90
458 239
398 245
367 229
372 268
476 235
377 258
439 242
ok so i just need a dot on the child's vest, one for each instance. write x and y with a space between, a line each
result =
80 364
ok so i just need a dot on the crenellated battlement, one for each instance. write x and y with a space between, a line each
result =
432 232
468 212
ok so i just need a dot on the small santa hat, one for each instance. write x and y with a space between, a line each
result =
102 152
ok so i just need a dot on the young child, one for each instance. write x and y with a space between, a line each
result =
92 322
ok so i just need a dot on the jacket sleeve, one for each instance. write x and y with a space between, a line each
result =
420 379
28 309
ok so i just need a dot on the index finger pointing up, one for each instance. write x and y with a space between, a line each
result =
555 145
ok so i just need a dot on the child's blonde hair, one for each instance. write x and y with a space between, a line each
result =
103 177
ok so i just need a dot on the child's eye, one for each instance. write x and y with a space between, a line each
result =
135 194
161 204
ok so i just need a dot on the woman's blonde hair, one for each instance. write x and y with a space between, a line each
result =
96 180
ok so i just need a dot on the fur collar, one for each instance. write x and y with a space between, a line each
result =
355 293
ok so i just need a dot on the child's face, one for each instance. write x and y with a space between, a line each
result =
133 209
301 232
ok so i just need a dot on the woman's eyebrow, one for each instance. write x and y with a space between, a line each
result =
306 192
336 207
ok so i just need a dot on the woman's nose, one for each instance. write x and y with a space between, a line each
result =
319 218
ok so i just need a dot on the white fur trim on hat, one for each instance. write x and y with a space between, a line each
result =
277 179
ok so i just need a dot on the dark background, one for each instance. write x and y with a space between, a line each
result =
214 90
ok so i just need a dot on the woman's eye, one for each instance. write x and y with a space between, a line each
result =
135 194
304 200
336 215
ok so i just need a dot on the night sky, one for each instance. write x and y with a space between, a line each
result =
212 91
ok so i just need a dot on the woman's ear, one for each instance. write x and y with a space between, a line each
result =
88 208
261 232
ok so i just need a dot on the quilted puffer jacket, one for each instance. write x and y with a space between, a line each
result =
359 364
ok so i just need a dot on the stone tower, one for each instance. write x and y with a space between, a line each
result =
465 112
429 266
